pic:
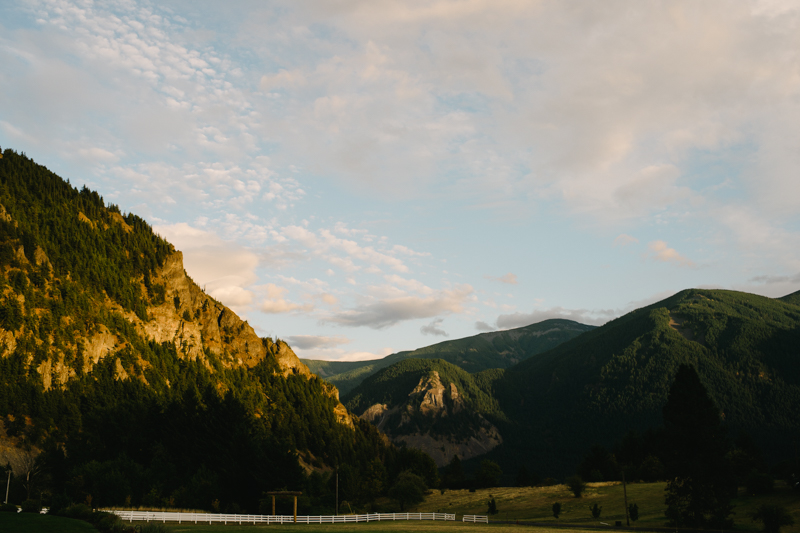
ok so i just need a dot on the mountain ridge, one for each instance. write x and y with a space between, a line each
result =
496 349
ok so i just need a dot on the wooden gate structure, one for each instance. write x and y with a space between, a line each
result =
285 493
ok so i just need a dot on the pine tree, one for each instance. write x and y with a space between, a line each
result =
699 490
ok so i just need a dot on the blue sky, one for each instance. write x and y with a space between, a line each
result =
364 177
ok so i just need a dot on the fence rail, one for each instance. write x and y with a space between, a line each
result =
475 518
150 516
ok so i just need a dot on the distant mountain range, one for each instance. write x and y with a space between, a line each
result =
497 349
548 409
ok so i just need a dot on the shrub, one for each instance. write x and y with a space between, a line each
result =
773 517
556 509
58 503
79 511
31 506
576 485
760 483
633 512
596 510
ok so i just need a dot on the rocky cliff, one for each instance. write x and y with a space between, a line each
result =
413 420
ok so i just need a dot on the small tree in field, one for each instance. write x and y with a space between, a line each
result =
773 517
556 509
633 512
576 485
596 510
493 506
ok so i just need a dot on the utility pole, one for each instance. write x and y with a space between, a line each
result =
337 491
8 483
625 494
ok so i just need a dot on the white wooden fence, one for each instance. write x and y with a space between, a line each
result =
150 516
475 518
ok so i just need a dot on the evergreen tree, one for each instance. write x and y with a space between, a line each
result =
453 475
699 490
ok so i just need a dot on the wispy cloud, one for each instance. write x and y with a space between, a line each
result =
660 251
433 328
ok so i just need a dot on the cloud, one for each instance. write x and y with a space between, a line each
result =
483 326
275 303
625 240
390 311
584 316
509 278
307 342
337 354
434 329
662 252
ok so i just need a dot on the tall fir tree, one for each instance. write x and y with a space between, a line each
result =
700 487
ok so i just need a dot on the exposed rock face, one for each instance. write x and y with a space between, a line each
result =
188 318
430 398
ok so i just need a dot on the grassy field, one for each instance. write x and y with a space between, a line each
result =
38 523
536 503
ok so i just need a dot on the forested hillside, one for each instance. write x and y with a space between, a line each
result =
497 349
432 405
121 381
596 387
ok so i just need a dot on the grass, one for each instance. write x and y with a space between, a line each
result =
38 523
371 527
536 503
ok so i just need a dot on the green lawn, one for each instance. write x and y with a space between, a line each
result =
38 523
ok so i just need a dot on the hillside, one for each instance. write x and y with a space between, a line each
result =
497 349
431 405
595 387
120 372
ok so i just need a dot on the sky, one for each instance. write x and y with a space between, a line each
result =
363 177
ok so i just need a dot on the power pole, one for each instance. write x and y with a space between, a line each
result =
8 484
337 491
625 494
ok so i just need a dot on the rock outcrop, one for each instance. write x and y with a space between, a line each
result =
433 400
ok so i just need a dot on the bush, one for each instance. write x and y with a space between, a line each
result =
759 483
31 506
576 485
633 512
58 503
773 517
107 522
79 511
556 509
8 508
596 510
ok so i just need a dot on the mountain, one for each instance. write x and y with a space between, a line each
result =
133 385
497 349
599 385
793 298
431 405
547 411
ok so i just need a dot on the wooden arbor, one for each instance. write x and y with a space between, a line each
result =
285 493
